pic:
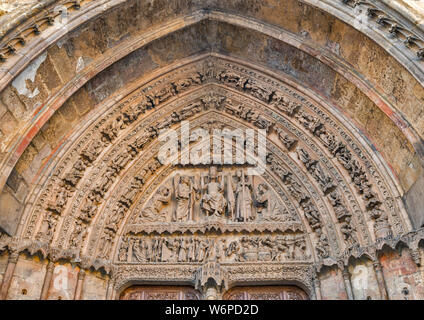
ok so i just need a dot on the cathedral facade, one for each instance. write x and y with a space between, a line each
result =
208 149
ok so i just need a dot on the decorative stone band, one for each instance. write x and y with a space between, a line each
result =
411 240
396 30
203 227
42 16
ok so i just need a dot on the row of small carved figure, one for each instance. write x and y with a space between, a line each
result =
329 188
394 27
301 196
35 27
189 249
358 175
315 126
111 131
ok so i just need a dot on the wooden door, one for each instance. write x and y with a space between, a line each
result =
266 293
160 293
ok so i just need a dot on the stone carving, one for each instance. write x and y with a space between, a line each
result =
249 115
284 104
183 249
78 235
48 226
92 151
286 139
322 247
105 244
344 217
269 208
348 231
58 202
381 223
231 196
153 212
213 200
180 200
315 169
395 29
186 192
244 198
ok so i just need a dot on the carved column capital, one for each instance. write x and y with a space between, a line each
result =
377 266
346 273
13 257
50 266
317 285
81 274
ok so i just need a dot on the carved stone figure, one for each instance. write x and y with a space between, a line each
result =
92 151
312 215
381 223
286 139
60 200
348 231
78 235
105 244
153 211
322 246
213 201
48 226
73 177
111 130
244 210
185 197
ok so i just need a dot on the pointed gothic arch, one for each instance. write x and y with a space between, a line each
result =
82 163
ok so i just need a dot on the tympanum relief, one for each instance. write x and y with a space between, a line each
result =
214 194
111 202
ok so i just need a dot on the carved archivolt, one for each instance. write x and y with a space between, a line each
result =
109 202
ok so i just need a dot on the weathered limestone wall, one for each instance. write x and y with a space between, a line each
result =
400 273
403 279
27 279
332 285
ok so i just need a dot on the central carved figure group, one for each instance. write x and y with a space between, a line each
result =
216 196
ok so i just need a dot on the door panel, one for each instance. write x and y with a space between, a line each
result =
266 293
160 293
